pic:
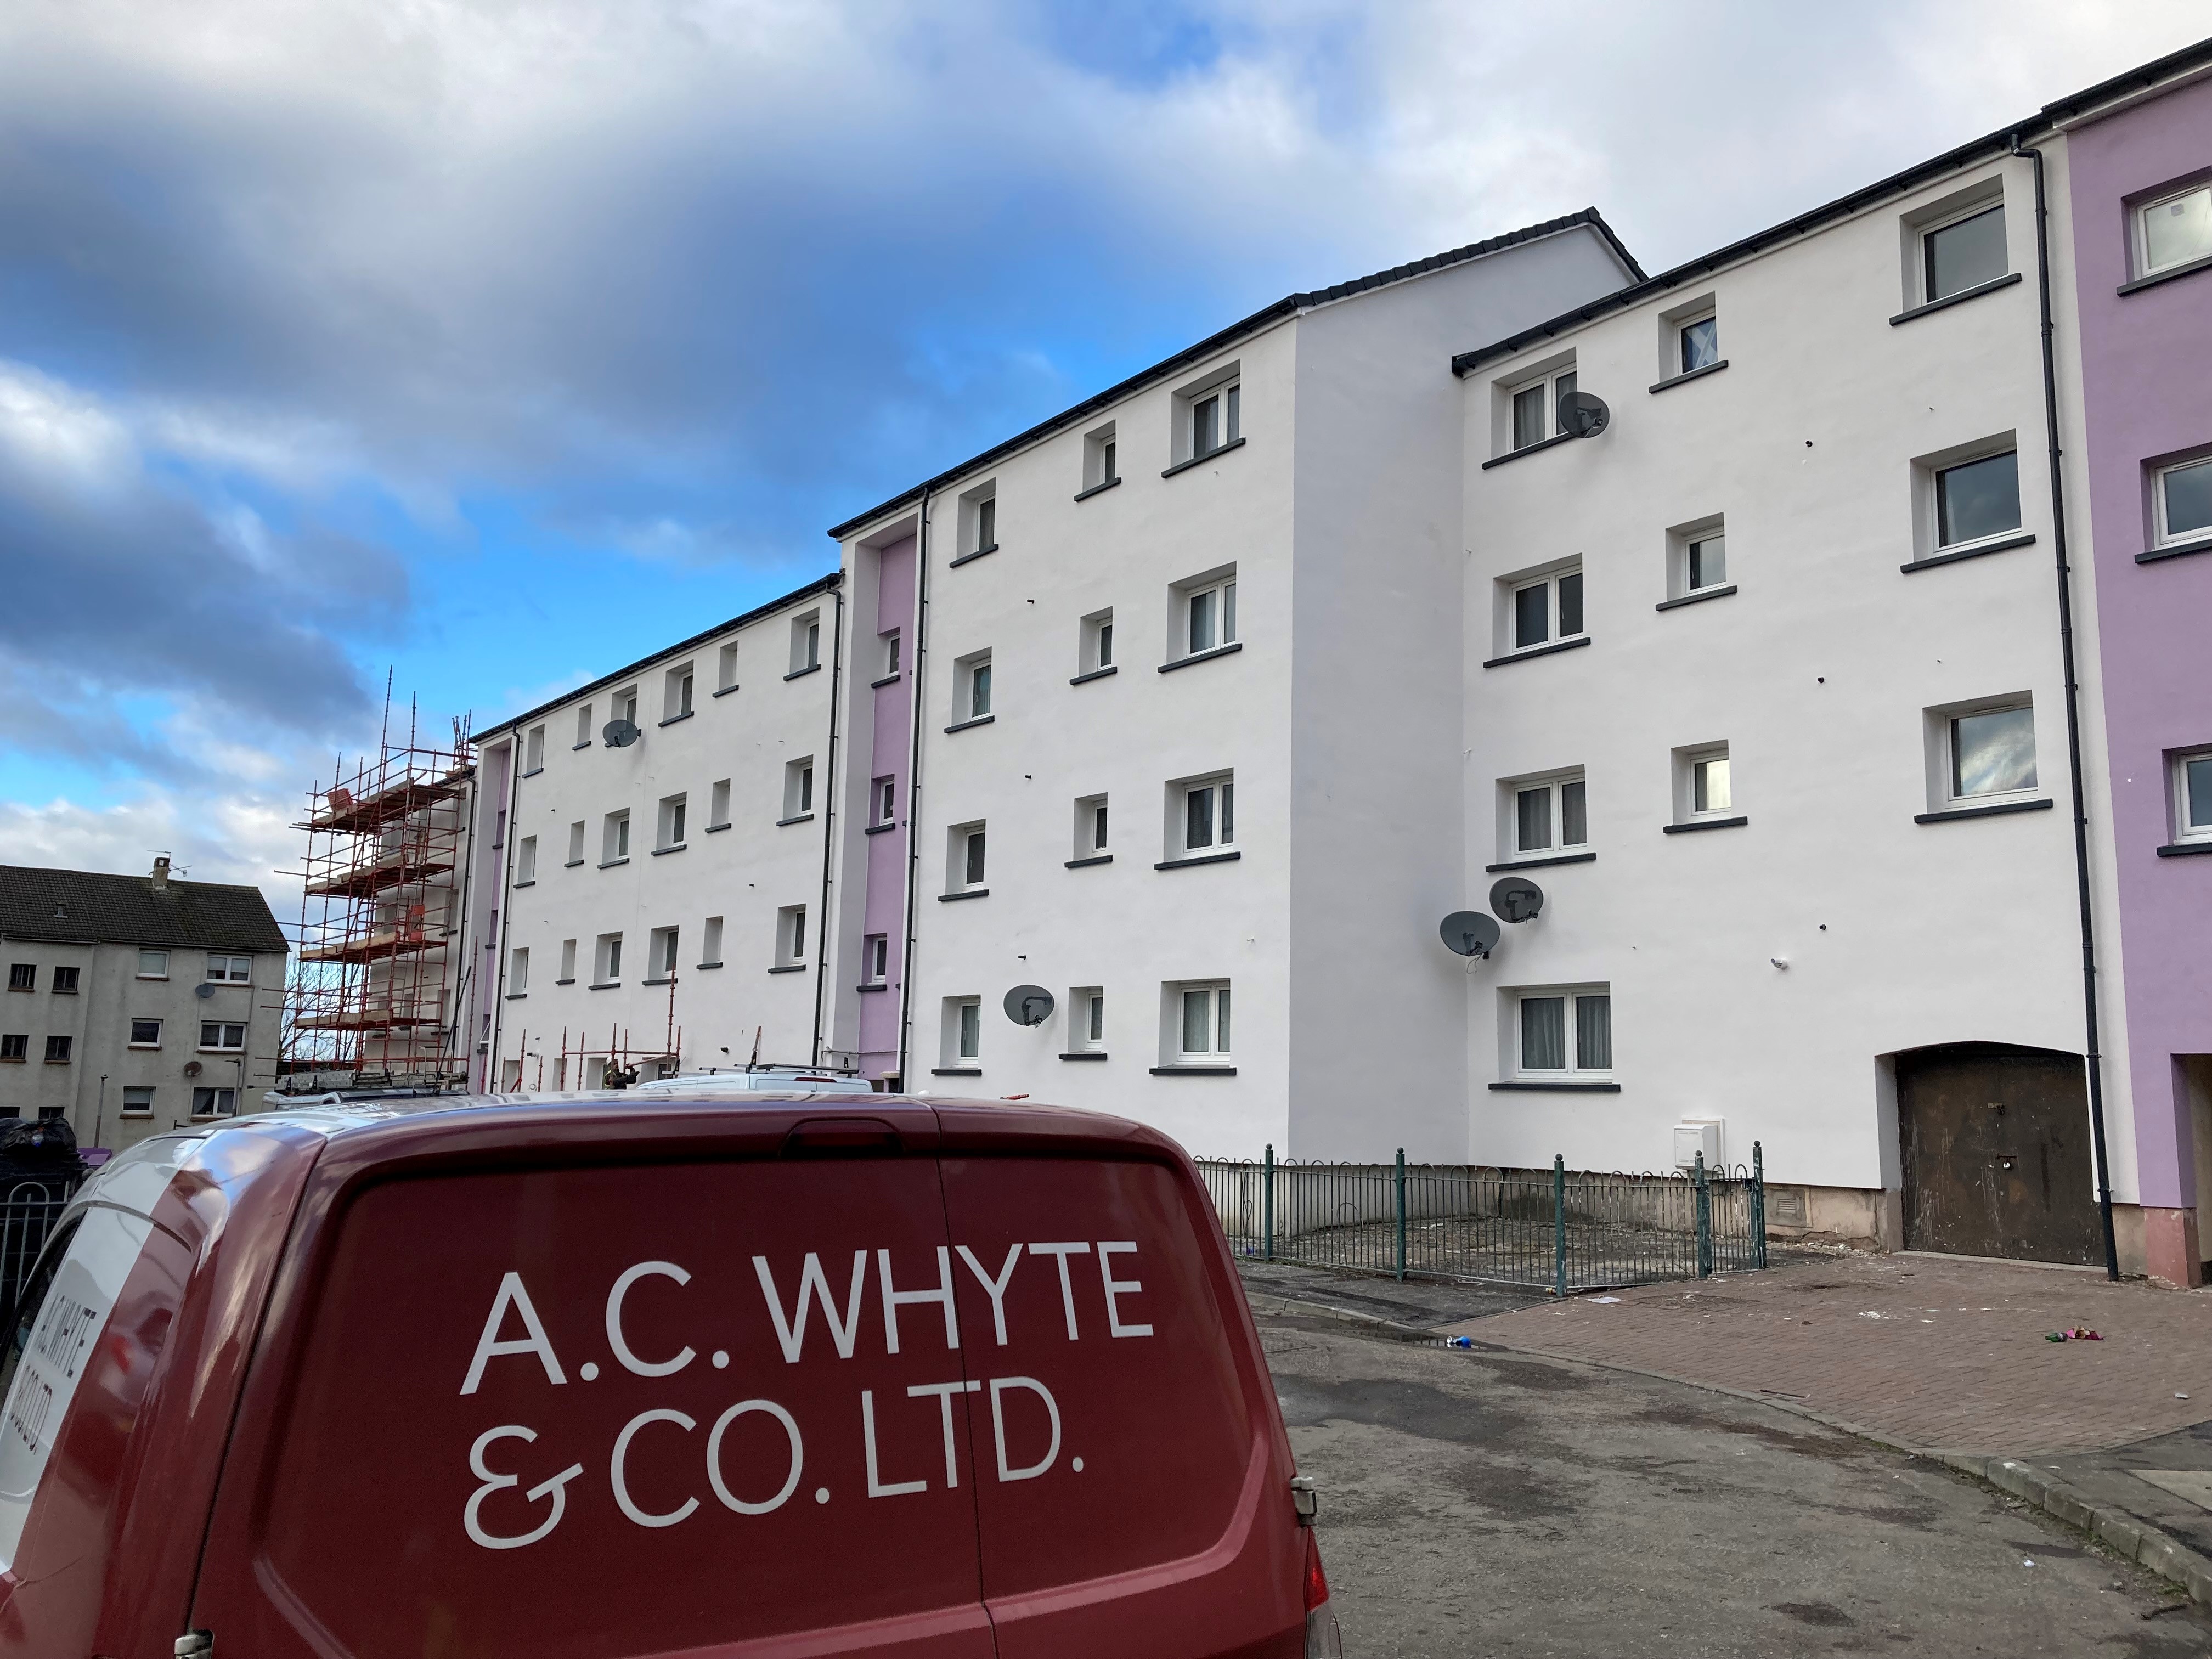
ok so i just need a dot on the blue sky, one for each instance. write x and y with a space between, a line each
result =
491 345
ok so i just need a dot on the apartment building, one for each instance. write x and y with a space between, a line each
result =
134 1003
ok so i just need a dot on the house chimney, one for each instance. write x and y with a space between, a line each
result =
161 872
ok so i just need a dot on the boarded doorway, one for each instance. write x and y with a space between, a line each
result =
1996 1153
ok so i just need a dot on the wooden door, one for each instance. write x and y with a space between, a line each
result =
1996 1153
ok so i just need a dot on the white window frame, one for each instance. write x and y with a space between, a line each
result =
143 1108
1510 589
1554 787
887 654
1985 201
533 752
710 942
669 822
526 861
797 790
676 691
805 643
1944 758
584 733
614 838
222 1028
1095 650
160 964
226 968
2138 228
1513 1046
577 831
960 1042
1548 379
625 704
1086 1019
791 936
1220 1031
1219 406
568 962
883 800
1681 326
607 959
958 862
2163 534
1221 810
979 520
718 804
973 686
1094 827
138 1042
518 970
1214 598
220 1103
663 952
1687 761
875 958
1101 458
1938 471
725 667
2185 833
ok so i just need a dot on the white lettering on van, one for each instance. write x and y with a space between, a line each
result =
730 1499
1117 1287
944 1391
995 1288
998 1386
813 1285
876 1487
616 1471
489 1346
557 1487
893 1298
615 1338
1067 1289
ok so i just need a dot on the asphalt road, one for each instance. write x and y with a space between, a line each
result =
1488 1503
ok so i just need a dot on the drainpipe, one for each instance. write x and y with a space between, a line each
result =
498 978
914 788
829 820
2072 713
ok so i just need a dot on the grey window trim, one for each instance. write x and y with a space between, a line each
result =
803 818
1720 593
586 744
671 721
703 966
1100 488
969 558
1706 824
1208 655
1187 1070
722 691
1673 380
511 996
880 828
1100 673
801 673
1519 1087
1964 295
973 892
789 968
2002 544
519 885
888 679
956 1071
1579 641
2184 849
610 863
1538 864
1202 858
1201 460
1552 442
864 989
2176 551
1989 812
714 829
1096 858
571 980
1086 1053
962 726
606 985
663 979
674 847
534 771
2166 276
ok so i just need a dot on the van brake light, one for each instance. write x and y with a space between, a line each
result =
1323 1640
835 1136
1317 1580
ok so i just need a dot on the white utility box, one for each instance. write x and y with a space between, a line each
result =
1695 1135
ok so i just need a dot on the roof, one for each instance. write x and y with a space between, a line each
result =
819 585
1999 142
1289 305
89 907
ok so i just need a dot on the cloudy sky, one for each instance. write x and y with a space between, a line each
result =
491 345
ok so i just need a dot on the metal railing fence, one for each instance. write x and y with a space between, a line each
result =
29 1208
1559 1229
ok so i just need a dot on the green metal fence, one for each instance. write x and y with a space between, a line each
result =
1558 1229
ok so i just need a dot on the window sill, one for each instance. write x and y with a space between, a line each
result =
1087 1054
565 982
534 771
586 743
1096 673
955 898
864 989
1950 813
610 863
1552 442
724 690
1971 550
801 817
1532 1087
1192 1071
716 828
1085 864
685 716
134 1117
956 1071
158 979
519 885
516 996
571 864
962 726
969 558
788 968
801 673
1538 651
145 1048
70 990
13 1060
2157 277
1540 864
1964 295
607 984
1197 857
1096 489
1700 597
2175 550
1696 824
1230 649
1673 380
703 966
2182 849
663 979
880 828
888 679
1201 460
232 1054
674 847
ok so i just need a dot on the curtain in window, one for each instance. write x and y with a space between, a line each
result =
1594 1034
1543 1034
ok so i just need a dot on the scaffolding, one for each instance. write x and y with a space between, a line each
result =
379 974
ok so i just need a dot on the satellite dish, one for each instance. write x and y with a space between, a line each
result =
205 988
620 734
191 1068
1517 899
1029 1005
1469 933
1582 415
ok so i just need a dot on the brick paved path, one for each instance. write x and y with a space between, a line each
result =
1956 1360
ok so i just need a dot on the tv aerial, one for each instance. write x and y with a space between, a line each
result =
1469 933
1583 415
620 734
1029 1005
1516 898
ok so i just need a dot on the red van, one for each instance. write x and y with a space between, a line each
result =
603 1377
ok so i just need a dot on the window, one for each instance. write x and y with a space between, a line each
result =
1100 467
805 643
1204 816
2173 230
568 961
986 524
1977 499
875 959
710 942
726 668
145 1033
1548 815
972 845
1210 416
1990 752
58 1050
1086 1019
65 980
670 825
791 936
676 693
1697 344
889 658
1200 1013
661 951
883 801
214 1103
718 804
2181 501
1095 650
1563 1033
1542 608
152 965
1090 827
962 1043
1697 557
798 789
499 828
137 1101
23 976
584 727
15 1046
576 842
2192 797
625 705
1535 406
614 838
1208 608
526 861
1703 789
533 751
607 959
971 688
517 970
1963 252
221 1034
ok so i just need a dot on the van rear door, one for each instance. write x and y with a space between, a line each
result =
578 1409
1134 1486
